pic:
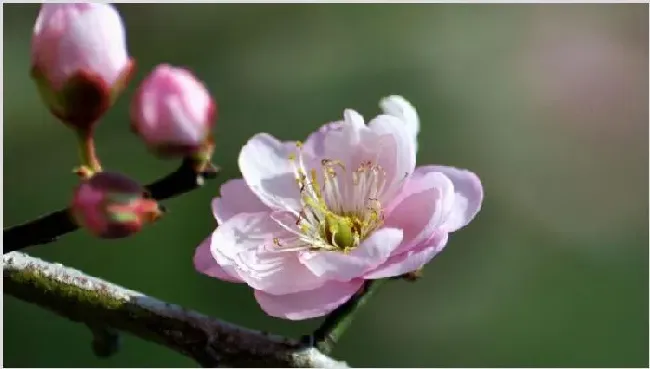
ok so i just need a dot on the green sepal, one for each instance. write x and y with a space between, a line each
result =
50 97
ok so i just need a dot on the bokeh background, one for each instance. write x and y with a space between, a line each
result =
547 103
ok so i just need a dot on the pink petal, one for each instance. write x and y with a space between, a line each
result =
341 141
172 107
205 263
245 243
385 141
315 143
308 304
421 208
66 39
410 260
236 197
95 41
399 107
400 163
352 129
351 143
469 195
343 267
265 166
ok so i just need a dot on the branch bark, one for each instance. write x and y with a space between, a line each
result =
98 303
50 227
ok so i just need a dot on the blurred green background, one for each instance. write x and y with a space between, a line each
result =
547 103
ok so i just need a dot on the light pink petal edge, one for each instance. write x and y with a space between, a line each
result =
400 163
469 195
266 168
245 243
236 197
411 260
205 263
399 107
308 304
421 208
96 40
374 251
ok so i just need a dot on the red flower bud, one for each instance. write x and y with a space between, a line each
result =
111 205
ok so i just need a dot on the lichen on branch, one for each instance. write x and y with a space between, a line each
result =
95 302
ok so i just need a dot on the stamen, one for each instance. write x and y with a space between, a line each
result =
338 214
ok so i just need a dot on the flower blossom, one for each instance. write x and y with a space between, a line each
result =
309 222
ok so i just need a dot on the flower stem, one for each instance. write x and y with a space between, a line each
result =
202 159
335 324
89 162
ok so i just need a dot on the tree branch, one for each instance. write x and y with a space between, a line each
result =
98 303
50 227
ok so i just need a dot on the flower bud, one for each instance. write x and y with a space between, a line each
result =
111 205
173 113
79 60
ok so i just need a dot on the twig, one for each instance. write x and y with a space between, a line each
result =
49 227
327 335
106 341
81 298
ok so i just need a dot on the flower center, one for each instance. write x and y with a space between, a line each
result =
341 207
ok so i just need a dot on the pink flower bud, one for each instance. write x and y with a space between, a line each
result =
173 112
111 205
79 60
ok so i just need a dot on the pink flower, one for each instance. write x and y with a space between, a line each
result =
172 111
310 222
111 205
79 58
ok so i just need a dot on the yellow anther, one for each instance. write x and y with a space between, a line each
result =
342 227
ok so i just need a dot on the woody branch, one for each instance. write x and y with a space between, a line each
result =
101 304
50 227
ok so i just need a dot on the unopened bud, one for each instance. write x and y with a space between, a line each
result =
79 60
174 113
111 205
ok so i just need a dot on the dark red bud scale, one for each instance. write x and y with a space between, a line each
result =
84 98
